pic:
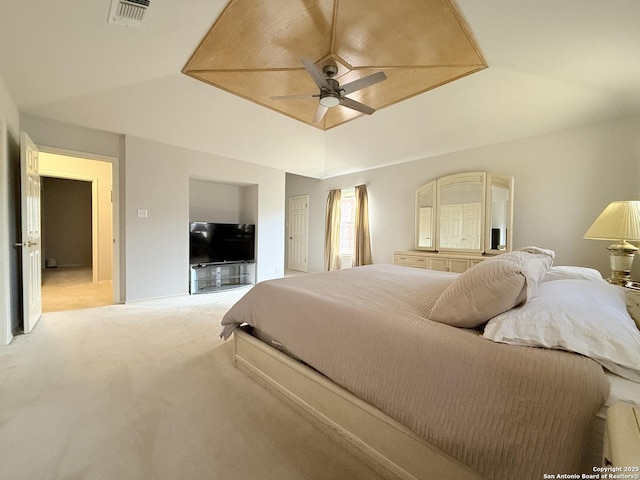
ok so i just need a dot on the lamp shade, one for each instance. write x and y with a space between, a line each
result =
619 221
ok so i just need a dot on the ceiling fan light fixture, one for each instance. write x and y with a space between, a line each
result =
329 101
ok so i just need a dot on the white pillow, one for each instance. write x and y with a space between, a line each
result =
586 317
568 272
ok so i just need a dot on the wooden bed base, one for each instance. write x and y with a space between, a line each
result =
388 448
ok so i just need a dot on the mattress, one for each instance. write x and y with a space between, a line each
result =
505 411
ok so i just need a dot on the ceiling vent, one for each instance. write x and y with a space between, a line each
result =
132 13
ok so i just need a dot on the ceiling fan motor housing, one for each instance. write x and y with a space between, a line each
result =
330 98
330 70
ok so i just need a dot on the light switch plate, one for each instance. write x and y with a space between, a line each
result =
142 213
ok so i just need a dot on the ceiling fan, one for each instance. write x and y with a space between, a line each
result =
332 93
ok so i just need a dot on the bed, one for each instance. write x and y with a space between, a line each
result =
406 366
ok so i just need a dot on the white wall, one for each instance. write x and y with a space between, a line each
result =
563 181
249 205
214 202
157 180
9 141
222 203
153 252
72 137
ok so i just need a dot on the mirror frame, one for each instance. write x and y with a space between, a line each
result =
428 190
432 190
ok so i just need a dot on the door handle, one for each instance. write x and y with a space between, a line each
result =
27 244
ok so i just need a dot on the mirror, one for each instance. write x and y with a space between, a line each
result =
460 200
500 218
466 212
425 207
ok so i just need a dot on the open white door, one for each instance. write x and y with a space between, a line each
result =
31 257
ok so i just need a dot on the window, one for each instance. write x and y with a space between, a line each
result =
347 219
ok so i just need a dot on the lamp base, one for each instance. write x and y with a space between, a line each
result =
621 257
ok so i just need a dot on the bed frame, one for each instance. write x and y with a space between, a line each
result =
388 448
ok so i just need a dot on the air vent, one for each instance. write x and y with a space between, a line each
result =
132 13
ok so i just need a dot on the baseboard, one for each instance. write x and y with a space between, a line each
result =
150 299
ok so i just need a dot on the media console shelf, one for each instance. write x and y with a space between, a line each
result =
215 277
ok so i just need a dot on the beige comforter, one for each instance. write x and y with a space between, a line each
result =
506 411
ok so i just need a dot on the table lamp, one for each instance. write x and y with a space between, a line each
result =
620 221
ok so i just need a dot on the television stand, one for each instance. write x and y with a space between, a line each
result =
216 277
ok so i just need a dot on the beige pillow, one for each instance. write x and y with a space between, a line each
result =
489 288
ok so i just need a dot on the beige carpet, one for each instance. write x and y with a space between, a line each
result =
71 288
147 391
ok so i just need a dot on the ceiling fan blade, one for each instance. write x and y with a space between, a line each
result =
360 107
320 114
363 82
316 15
316 74
294 97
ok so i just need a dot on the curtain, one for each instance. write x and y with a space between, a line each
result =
361 241
332 231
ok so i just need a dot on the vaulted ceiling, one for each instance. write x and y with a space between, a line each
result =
254 49
552 65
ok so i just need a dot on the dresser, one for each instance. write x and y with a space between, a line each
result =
444 262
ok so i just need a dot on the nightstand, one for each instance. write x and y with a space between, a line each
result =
622 438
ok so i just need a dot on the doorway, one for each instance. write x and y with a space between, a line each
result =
78 240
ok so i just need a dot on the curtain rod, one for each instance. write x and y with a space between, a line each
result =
368 184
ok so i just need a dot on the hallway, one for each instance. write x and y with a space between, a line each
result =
71 288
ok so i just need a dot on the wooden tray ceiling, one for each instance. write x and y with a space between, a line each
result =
254 48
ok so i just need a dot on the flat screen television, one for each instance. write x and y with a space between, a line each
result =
221 242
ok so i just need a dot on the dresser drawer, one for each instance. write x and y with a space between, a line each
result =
411 261
440 264
458 266
436 261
